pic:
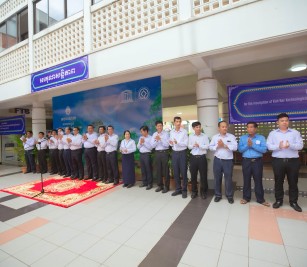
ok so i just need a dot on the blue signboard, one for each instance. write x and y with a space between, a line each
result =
263 101
12 125
126 106
68 72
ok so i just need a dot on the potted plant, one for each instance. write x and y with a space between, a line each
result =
19 151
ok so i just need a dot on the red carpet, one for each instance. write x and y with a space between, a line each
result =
62 192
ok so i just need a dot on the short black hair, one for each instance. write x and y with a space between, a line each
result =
54 130
177 118
196 123
282 115
77 128
252 122
30 132
127 131
68 128
103 127
41 133
144 128
90 125
221 122
158 122
60 129
110 126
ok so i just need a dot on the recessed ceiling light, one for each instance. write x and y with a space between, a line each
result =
299 67
179 113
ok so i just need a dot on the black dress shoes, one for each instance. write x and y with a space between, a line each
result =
148 187
193 195
230 200
277 204
109 181
203 195
176 193
116 182
295 206
125 185
142 185
217 199
159 188
165 190
184 194
26 172
130 185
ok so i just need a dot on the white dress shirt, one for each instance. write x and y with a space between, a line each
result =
43 143
146 147
163 143
222 152
129 145
202 140
76 142
102 143
29 144
90 142
181 137
112 143
292 136
60 144
53 143
64 140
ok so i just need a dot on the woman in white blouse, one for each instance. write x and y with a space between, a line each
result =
127 148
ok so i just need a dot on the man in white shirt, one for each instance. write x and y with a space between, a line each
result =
179 143
42 146
101 155
111 140
53 152
160 142
199 144
76 154
144 146
223 144
28 145
67 152
61 166
90 152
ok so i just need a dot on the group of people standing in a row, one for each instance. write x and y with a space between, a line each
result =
100 153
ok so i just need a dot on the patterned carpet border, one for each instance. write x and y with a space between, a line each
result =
59 191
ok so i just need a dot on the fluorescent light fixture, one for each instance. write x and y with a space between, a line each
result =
179 113
299 67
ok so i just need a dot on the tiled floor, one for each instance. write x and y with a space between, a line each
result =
131 227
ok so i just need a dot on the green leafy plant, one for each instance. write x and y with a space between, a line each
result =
18 149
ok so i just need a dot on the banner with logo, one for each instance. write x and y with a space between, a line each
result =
263 101
68 72
126 106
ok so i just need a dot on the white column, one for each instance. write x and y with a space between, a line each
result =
38 118
185 9
30 34
224 113
87 26
208 114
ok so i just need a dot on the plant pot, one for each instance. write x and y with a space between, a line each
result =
23 169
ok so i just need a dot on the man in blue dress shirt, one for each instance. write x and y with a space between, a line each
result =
285 144
252 146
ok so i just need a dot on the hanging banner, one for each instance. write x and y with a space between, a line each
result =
12 125
263 101
68 72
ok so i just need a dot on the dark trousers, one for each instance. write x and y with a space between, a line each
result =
220 167
179 165
161 167
68 162
30 160
54 160
90 155
77 169
146 168
281 168
102 165
199 164
42 160
61 166
252 168
112 166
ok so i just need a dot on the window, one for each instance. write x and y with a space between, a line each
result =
49 12
14 30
